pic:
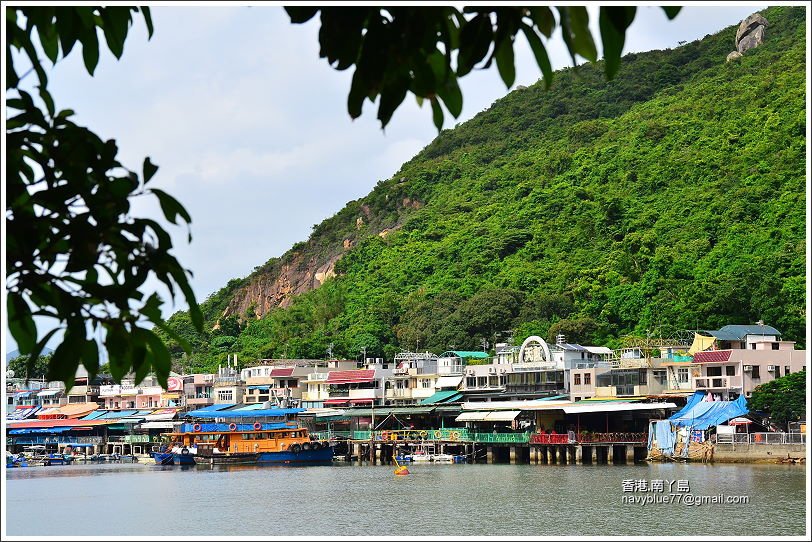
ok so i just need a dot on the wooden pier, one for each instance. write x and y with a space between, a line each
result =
512 448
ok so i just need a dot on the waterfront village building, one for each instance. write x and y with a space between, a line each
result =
144 395
418 376
198 390
228 387
736 358
342 384
22 400
279 385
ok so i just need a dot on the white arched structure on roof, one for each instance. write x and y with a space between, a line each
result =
528 353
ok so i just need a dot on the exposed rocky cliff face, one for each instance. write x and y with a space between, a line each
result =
308 265
277 287
750 35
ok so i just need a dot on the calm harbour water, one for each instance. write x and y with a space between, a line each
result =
437 500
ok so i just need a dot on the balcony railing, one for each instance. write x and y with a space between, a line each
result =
449 434
55 440
712 382
588 438
747 439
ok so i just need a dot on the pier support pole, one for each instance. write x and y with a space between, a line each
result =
552 451
610 454
630 454
543 452
592 455
489 454
536 454
579 455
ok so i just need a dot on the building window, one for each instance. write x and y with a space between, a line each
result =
775 346
577 379
755 374
682 375
730 370
753 346
425 382
587 379
786 370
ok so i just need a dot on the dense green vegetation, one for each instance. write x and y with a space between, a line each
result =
669 198
784 399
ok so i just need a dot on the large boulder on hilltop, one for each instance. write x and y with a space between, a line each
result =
752 39
751 32
749 24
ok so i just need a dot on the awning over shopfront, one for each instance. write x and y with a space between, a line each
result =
448 382
266 387
445 396
471 417
163 414
76 410
157 425
49 392
336 401
615 407
502 415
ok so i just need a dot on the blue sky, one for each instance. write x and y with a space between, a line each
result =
250 129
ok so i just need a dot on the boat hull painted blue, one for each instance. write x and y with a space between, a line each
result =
322 455
183 459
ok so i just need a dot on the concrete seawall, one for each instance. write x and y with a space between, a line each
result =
759 453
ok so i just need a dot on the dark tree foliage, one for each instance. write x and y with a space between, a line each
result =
784 399
29 371
401 50
75 255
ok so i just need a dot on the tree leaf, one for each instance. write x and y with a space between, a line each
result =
148 20
149 170
540 53
671 11
576 34
21 322
475 40
171 207
301 14
505 62
90 49
437 114
613 23
90 357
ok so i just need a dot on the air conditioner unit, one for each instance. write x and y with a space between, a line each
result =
503 370
748 368
492 370
771 368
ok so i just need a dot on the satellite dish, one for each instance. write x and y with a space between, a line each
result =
10 374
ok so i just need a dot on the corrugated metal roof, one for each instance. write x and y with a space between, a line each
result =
440 397
474 354
736 332
282 372
712 356
351 377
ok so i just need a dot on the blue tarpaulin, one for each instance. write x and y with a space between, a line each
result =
207 414
690 403
41 430
706 414
661 432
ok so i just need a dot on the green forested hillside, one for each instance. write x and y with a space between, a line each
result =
672 197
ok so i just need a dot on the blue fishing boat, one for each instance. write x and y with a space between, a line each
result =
271 437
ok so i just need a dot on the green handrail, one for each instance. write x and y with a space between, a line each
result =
458 434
